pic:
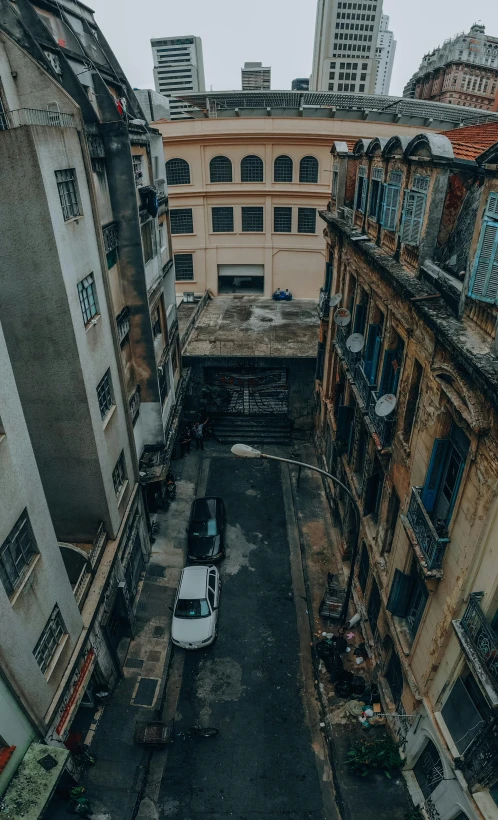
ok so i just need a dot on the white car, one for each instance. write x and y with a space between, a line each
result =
195 614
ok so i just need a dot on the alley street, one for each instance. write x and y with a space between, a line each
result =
249 683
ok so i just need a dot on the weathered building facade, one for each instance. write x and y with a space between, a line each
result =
408 421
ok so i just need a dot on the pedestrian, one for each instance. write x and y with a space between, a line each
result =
198 434
185 440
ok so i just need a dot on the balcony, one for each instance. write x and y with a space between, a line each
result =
365 389
341 338
36 116
324 305
123 324
480 762
431 545
480 644
384 427
110 236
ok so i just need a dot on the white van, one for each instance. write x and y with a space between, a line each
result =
195 613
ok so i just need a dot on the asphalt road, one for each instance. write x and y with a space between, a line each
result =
262 764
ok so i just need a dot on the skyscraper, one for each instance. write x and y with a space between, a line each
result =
386 49
178 66
256 77
344 57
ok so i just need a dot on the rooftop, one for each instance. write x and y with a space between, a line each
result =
469 143
248 326
434 115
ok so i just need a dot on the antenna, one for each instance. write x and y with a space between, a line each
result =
355 343
342 317
385 406
335 300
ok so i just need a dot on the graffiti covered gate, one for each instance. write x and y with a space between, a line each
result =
246 392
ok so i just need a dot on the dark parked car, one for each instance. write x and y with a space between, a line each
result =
206 530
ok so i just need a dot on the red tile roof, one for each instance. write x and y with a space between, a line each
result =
470 142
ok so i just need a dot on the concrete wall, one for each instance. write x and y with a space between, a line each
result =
16 730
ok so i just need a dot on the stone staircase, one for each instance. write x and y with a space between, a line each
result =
253 429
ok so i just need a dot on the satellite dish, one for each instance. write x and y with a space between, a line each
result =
355 343
335 300
342 317
385 406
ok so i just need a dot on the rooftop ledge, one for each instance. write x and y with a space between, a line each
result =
470 346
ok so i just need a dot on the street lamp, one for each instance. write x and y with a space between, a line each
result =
244 451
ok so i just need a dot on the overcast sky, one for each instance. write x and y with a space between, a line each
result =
276 32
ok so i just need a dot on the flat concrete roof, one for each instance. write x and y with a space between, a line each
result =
250 326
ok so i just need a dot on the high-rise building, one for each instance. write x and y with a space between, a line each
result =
345 51
463 71
256 77
178 67
386 49
301 84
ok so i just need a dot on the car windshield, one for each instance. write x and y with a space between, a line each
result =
204 529
192 609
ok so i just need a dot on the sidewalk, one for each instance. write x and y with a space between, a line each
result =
116 782
359 798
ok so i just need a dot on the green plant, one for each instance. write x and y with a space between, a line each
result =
76 792
365 756
414 814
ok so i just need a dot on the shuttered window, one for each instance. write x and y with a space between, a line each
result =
434 473
390 207
484 282
335 183
361 189
372 352
413 217
492 206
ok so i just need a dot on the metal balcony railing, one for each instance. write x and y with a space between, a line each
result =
35 116
483 639
110 236
365 389
123 324
98 545
431 544
384 427
480 762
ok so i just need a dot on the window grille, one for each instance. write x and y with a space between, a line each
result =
251 169
184 267
137 169
282 220
4 122
308 170
421 184
148 240
306 220
105 395
119 474
164 381
68 193
283 169
156 323
220 170
178 172
110 237
396 177
222 220
252 220
181 220
16 553
50 639
378 173
134 405
123 323
88 298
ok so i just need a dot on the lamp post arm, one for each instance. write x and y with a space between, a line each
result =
316 470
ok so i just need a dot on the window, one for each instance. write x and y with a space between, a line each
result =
413 400
164 381
156 322
283 169
88 298
119 474
282 220
429 769
373 608
413 217
137 169
364 567
68 193
372 351
444 476
465 711
484 280
178 172
105 394
16 553
251 169
306 220
222 220
112 258
181 220
220 170
184 267
361 189
376 190
390 206
148 240
308 170
49 640
391 369
408 597
335 183
252 220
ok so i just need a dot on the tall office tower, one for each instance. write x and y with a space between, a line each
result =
178 66
344 56
256 77
386 49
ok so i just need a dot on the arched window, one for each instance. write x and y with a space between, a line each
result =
283 169
220 169
178 172
429 769
308 170
251 169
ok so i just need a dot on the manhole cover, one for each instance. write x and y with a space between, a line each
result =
134 663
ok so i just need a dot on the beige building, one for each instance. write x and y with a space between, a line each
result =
248 176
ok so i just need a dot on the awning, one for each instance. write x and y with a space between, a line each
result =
34 782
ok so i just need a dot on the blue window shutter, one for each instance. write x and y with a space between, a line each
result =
400 594
374 332
434 473
413 217
387 378
360 318
375 359
344 422
492 206
484 282
390 206
364 192
328 276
